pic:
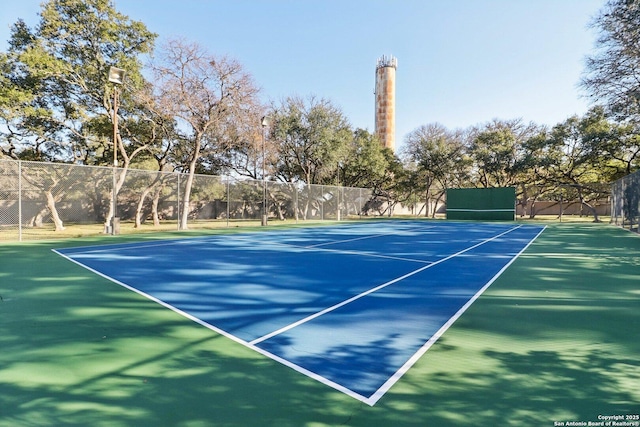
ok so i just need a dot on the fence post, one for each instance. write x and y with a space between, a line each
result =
611 205
622 205
322 203
178 201
339 199
20 200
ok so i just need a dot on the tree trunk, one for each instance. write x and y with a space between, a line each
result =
435 206
37 220
305 210
187 188
143 196
51 205
596 218
591 208
140 206
186 200
426 204
154 207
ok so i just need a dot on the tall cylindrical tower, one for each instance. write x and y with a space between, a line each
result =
386 101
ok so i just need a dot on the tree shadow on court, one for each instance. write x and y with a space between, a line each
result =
80 350
553 339
532 388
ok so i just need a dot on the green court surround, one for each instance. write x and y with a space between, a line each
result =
553 339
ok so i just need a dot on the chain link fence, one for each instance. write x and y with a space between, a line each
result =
625 202
45 200
50 200
554 200
562 200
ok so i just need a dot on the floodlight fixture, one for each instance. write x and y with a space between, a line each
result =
116 75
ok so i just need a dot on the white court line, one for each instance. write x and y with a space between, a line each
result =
409 363
377 288
128 246
222 332
481 210
371 401
184 240
200 239
338 251
373 236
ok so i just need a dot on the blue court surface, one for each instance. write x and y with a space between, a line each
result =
353 306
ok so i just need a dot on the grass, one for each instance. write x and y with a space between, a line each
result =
72 230
553 339
10 234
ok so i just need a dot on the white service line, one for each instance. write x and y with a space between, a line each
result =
413 359
373 236
338 251
377 288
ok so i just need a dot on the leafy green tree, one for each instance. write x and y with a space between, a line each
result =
365 163
613 148
392 188
56 79
536 170
312 136
570 168
435 158
496 149
56 105
12 99
368 164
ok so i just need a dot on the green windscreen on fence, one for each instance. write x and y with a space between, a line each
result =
481 203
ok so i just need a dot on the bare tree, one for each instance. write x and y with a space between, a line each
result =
206 95
612 73
248 151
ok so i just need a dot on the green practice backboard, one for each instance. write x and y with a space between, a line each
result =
493 204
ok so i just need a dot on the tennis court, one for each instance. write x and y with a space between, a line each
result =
323 326
350 306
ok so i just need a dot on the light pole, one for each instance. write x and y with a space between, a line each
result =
265 215
116 76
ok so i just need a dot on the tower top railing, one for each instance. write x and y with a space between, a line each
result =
387 61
